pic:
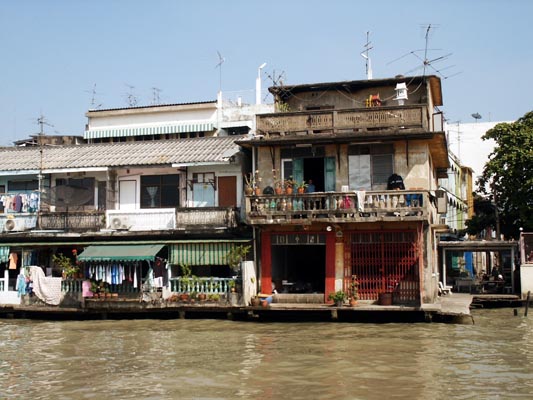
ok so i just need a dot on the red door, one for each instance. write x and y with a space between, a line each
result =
227 191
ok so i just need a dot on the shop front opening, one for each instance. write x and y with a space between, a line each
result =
298 268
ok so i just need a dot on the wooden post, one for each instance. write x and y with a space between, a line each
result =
527 303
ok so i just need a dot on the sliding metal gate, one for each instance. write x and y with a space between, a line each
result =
384 262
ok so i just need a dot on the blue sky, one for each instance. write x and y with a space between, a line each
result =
54 52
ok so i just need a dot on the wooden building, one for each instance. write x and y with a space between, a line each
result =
344 140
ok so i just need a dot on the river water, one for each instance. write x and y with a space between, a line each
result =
218 359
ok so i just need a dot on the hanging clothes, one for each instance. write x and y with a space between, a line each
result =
13 259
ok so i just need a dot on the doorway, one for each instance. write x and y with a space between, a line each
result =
299 268
314 170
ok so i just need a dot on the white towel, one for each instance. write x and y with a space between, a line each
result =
360 200
45 288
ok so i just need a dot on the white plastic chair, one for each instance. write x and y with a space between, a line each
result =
444 290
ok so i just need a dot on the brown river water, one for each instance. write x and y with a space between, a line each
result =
219 359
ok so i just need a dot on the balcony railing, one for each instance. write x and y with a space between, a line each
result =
212 217
412 117
200 285
73 221
339 207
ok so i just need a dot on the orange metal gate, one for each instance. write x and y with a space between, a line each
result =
385 261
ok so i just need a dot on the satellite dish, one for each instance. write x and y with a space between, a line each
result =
476 116
67 196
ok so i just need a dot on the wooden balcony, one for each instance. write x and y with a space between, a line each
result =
352 120
339 207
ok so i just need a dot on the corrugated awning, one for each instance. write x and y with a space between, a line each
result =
200 253
149 130
137 252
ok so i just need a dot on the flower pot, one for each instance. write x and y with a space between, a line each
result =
353 302
202 297
257 191
255 301
264 303
301 190
248 191
289 190
385 299
339 303
278 190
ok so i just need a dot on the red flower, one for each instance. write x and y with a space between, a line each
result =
75 252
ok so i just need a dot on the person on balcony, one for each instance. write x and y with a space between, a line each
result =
310 187
395 182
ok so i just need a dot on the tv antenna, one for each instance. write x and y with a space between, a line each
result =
219 66
41 121
130 96
365 55
477 116
156 98
277 79
93 93
427 63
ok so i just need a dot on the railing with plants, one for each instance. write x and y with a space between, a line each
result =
74 286
209 285
339 205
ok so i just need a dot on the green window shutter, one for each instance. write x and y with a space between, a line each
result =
298 169
329 178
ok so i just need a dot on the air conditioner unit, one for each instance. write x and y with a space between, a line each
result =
120 222
14 225
442 201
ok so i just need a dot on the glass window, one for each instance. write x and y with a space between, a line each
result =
160 191
22 185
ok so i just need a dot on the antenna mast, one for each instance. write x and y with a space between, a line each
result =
219 66
365 55
41 121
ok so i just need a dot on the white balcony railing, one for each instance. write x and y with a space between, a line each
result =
142 220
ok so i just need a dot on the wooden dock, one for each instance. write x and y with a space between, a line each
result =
450 309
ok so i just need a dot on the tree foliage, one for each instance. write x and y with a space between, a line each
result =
508 174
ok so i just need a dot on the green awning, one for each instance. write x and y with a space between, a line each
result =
138 252
150 130
200 253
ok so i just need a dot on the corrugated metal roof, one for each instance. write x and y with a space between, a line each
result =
152 106
160 152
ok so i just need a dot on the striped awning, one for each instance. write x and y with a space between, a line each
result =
201 253
117 252
4 254
149 130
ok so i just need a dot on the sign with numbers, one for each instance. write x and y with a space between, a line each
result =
294 239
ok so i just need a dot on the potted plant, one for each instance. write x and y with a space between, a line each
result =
249 182
354 289
255 301
278 183
236 255
68 270
338 297
302 186
289 185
